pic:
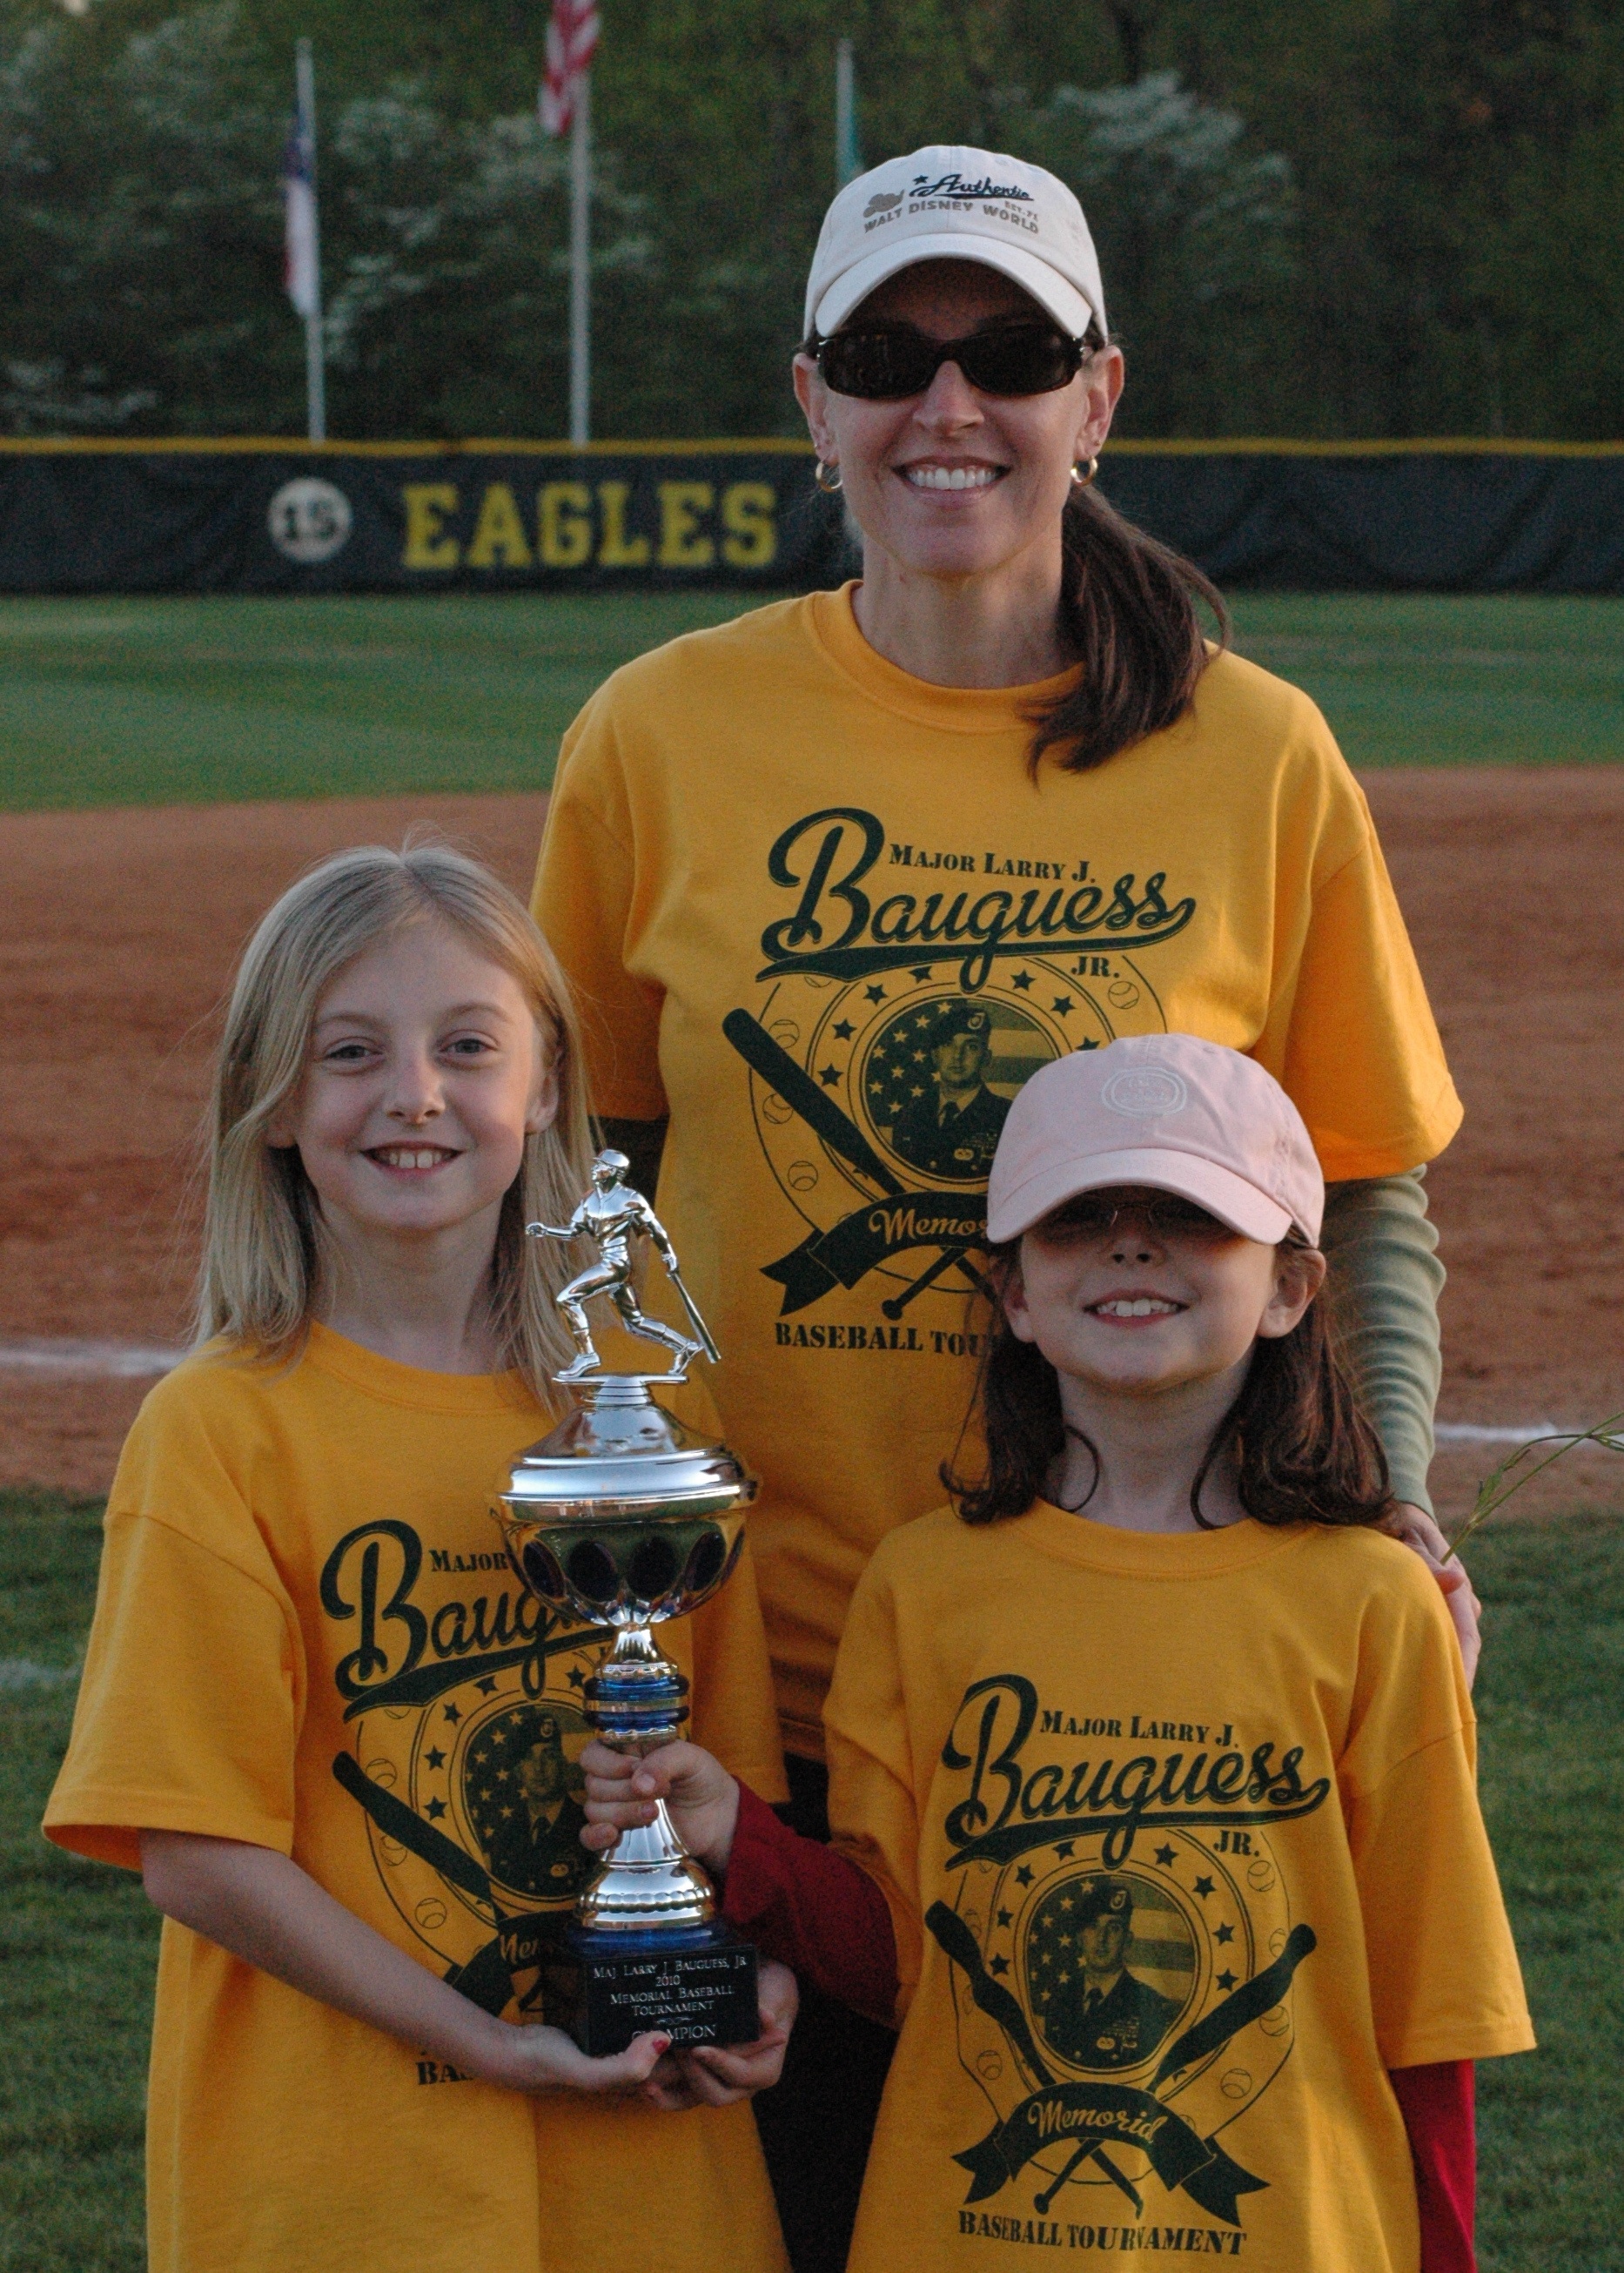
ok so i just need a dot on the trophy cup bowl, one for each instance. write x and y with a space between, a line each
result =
622 1518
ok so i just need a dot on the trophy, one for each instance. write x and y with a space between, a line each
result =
624 1518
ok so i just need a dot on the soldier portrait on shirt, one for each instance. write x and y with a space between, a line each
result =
524 1798
1090 2007
950 1122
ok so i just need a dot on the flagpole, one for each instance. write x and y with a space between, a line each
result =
580 271
848 162
315 369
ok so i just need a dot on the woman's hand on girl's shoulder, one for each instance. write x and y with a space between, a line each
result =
1417 1530
715 2075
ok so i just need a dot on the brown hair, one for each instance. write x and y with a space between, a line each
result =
264 1259
1303 1450
1129 614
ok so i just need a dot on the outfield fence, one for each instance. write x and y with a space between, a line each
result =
274 515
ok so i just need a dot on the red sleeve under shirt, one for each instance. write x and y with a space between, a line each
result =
815 1911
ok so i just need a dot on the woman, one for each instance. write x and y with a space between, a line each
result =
832 881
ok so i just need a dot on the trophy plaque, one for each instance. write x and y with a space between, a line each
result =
623 1518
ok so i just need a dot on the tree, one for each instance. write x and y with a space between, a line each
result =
1195 234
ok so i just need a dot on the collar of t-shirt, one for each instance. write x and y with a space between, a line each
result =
949 710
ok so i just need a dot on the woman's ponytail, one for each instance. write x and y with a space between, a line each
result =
1129 615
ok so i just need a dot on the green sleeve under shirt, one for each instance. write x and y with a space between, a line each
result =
1384 1282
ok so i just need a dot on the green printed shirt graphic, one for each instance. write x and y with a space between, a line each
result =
1151 1888
827 919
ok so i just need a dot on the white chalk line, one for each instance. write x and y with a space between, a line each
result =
1467 1432
86 1360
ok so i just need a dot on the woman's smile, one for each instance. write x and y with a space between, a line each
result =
936 474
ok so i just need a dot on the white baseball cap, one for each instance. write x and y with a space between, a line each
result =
1167 1111
948 202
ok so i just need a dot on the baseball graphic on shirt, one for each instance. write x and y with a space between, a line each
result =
1104 2012
1119 1949
905 996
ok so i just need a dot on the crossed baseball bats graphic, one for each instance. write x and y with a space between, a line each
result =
818 1109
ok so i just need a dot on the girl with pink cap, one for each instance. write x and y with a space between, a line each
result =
1151 1757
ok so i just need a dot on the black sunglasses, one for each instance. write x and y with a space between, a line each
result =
885 366
1095 1215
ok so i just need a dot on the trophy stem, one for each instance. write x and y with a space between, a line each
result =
636 1702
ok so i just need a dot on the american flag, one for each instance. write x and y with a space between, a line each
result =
572 38
301 273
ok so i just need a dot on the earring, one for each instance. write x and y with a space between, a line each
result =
1081 480
827 478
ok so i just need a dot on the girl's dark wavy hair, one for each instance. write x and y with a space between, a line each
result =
1304 1451
1129 614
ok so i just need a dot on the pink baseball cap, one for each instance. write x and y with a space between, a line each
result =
1166 1111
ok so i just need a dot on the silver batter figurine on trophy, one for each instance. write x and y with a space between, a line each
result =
623 1518
611 1215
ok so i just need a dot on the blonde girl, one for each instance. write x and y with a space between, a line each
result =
317 1713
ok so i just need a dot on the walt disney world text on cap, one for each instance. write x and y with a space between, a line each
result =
949 203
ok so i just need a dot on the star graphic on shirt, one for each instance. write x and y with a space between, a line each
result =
577 1679
1224 1980
436 1758
920 971
435 1809
999 1965
829 1076
1067 1848
1023 1876
452 1714
1224 1933
1204 1888
1063 1004
485 1686
1003 1918
1165 1856
875 994
844 1031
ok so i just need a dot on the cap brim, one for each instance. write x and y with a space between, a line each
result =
1219 1190
1069 307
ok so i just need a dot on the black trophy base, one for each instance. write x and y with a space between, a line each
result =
695 1984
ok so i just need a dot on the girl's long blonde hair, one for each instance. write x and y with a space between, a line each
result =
263 1250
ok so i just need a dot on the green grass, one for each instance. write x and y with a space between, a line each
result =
143 702
1550 1696
76 1941
1441 681
195 702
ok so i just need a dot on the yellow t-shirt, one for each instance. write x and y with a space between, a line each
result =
307 1637
1181 1840
819 912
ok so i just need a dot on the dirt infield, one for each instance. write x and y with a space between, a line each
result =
121 928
